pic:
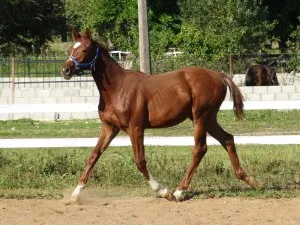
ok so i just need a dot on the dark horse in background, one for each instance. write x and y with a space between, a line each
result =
261 75
132 102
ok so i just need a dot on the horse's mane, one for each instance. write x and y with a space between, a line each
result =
102 46
105 49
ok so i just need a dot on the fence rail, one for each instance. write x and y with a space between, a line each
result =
149 141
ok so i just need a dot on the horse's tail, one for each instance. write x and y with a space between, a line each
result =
237 97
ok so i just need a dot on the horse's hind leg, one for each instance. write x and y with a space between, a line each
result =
227 141
137 140
199 150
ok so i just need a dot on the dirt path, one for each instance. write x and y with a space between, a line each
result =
152 211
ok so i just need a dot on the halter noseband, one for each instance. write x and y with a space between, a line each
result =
91 64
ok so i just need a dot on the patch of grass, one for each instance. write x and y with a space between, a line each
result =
45 173
24 193
27 128
258 122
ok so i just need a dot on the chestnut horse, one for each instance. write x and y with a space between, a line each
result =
132 101
261 75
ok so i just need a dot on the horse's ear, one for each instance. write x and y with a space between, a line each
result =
88 34
75 35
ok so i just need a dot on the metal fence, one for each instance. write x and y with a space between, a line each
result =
45 71
32 71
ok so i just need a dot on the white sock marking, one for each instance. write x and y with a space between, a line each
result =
178 195
161 192
153 183
76 192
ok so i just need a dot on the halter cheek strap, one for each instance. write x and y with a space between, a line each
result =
91 64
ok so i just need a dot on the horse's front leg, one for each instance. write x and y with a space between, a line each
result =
137 140
107 134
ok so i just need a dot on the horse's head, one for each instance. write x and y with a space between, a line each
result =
83 54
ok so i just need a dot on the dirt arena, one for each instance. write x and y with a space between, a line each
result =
152 211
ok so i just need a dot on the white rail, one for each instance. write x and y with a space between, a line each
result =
90 107
149 141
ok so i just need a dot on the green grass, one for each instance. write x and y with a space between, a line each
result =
261 122
46 173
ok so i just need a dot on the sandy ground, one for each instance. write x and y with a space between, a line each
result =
152 211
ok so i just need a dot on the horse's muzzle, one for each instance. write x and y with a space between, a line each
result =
66 73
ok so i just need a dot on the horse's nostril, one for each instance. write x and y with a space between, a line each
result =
67 71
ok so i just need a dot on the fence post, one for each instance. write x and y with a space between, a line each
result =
144 46
230 65
13 78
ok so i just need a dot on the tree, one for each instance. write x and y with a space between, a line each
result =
215 28
115 21
26 25
164 23
294 45
163 33
285 13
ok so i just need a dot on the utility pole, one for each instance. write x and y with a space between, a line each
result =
144 46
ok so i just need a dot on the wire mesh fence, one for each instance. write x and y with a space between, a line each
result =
42 71
45 71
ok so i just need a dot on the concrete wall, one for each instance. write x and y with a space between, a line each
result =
87 93
284 79
91 95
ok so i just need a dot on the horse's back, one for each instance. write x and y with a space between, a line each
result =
261 75
188 79
203 81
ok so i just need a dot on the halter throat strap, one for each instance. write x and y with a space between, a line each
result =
91 64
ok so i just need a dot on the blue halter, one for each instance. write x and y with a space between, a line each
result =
91 64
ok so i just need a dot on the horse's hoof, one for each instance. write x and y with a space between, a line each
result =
179 197
71 201
170 197
75 199
253 183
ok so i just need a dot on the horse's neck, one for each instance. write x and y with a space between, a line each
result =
109 77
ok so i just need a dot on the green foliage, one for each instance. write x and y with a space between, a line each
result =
294 44
286 14
162 33
114 20
26 25
208 30
212 29
164 25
